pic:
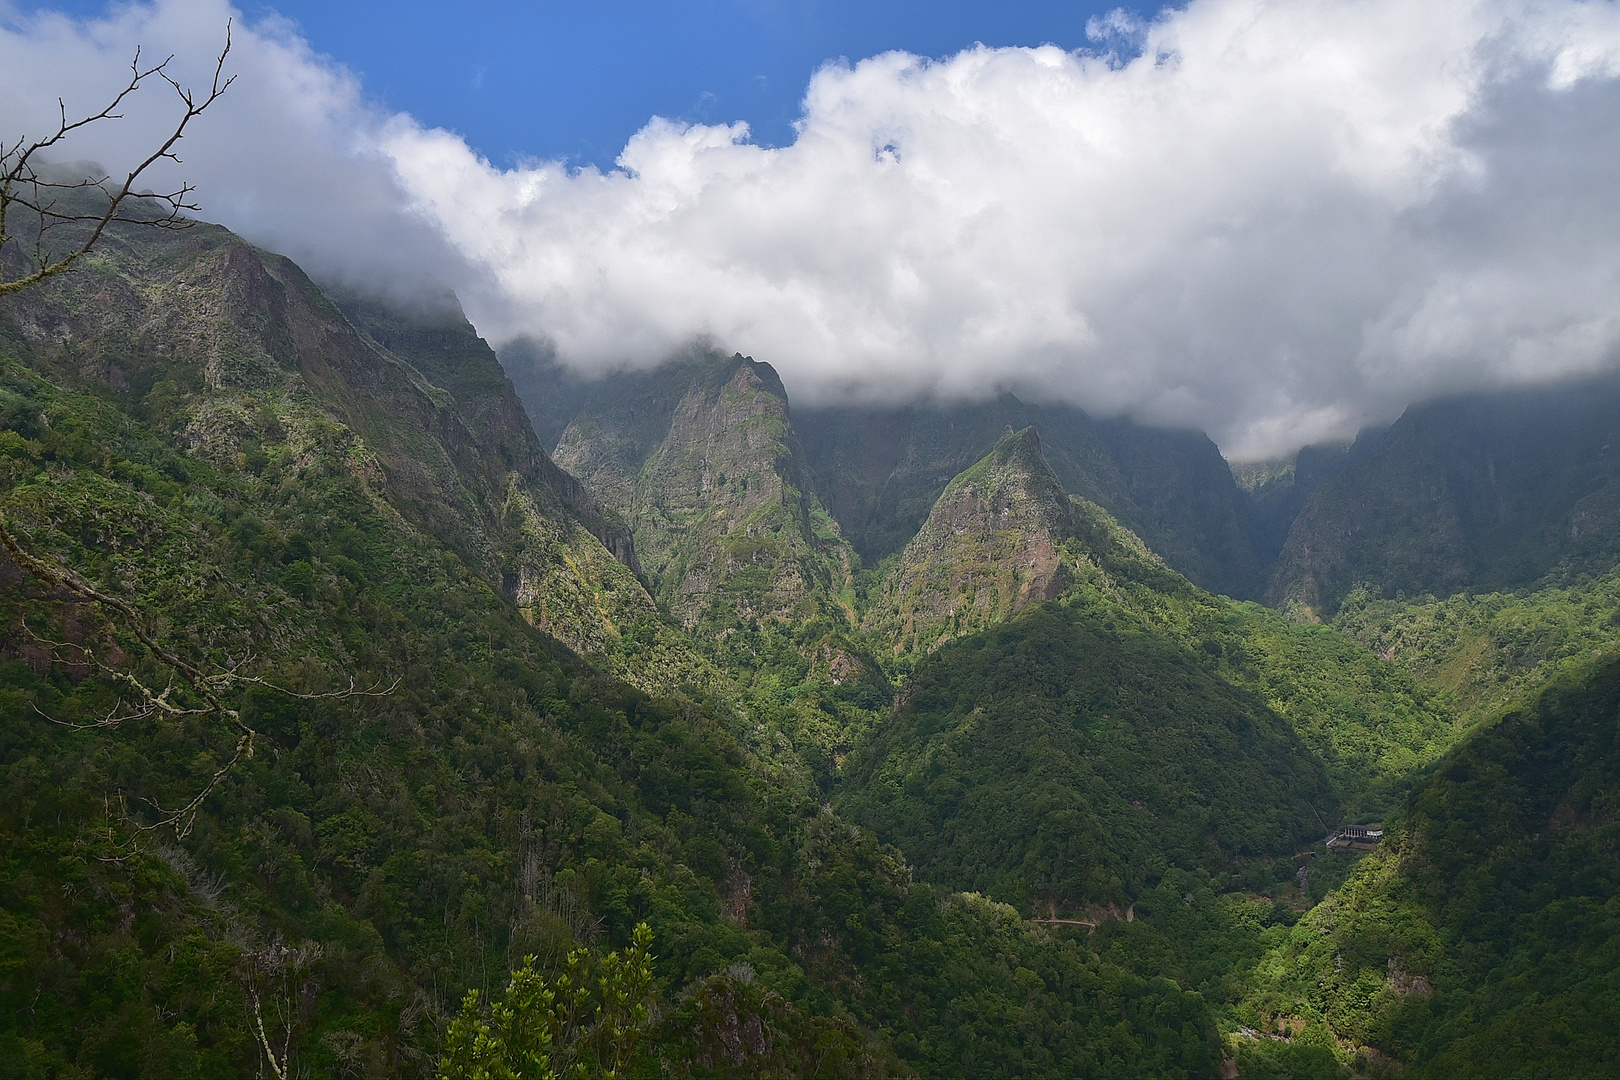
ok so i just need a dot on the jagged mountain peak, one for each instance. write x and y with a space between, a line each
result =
1015 468
699 455
989 548
879 470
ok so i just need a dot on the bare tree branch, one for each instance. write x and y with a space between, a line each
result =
28 185
23 187
149 703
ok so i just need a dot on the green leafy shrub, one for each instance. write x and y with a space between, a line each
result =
587 1021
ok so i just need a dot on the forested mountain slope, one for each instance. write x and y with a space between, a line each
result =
1489 492
236 355
1484 937
1130 724
1484 652
329 533
1064 760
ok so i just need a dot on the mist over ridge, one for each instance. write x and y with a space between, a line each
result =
1274 223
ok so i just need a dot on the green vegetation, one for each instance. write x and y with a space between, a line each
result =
1370 723
1484 939
1065 760
379 854
1488 492
1485 652
584 1022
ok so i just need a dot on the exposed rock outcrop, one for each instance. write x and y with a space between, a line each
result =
699 456
989 549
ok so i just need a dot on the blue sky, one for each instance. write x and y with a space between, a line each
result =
1283 221
575 80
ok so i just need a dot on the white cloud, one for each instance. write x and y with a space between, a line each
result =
1276 221
288 157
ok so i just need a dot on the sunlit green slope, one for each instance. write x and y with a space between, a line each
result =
1486 651
1484 937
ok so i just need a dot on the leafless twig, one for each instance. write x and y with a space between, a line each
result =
22 186
148 703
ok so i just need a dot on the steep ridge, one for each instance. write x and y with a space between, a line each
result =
699 456
443 345
250 362
880 471
1483 938
988 550
1480 493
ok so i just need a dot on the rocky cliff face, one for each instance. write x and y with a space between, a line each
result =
989 548
442 345
1482 493
700 458
254 366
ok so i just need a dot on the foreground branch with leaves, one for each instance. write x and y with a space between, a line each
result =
587 1021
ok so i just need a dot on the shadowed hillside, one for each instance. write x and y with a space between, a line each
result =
1482 493
1064 760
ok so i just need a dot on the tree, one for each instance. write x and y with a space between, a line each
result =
574 1025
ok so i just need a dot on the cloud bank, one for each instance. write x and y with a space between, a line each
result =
1275 221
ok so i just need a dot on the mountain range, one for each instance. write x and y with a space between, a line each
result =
946 739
